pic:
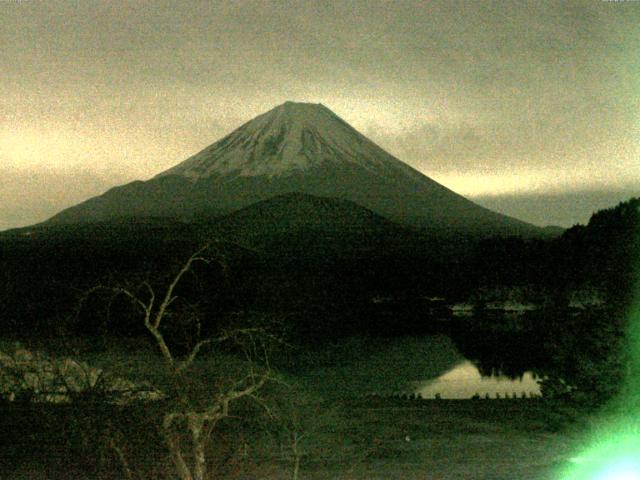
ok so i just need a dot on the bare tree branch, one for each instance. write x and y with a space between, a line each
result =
169 297
193 354
183 411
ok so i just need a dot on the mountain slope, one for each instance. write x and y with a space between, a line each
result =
297 147
295 211
298 223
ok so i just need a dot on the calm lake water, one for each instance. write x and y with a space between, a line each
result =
493 364
476 356
464 381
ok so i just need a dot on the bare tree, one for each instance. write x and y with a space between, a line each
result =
184 414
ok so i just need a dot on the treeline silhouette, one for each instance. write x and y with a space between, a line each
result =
323 283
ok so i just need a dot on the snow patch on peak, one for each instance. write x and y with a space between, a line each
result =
289 138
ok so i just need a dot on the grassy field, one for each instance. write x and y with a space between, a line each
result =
359 438
448 439
375 439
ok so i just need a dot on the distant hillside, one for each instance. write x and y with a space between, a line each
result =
602 256
298 223
606 251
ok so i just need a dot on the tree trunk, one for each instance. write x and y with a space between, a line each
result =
296 467
178 460
196 424
296 456
174 448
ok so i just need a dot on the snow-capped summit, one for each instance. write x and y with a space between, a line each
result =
290 138
297 147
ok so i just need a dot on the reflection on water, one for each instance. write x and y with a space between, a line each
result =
465 381
501 351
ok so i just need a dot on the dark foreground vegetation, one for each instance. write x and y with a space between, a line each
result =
229 334
372 438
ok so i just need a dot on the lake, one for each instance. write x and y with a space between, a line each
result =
464 381
482 364
493 363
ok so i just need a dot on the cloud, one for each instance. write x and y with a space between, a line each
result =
29 197
563 209
484 96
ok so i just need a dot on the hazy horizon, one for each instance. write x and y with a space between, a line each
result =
550 209
529 108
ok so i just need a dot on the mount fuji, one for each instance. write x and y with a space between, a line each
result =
296 147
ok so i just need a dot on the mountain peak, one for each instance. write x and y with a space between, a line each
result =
305 108
289 104
288 139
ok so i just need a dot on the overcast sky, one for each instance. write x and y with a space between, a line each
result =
530 108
